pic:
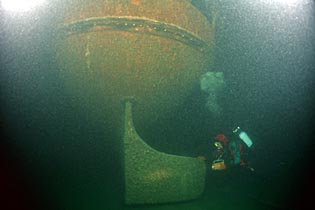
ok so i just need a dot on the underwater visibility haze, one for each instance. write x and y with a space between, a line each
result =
191 69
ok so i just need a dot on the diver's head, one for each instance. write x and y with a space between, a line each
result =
218 145
221 138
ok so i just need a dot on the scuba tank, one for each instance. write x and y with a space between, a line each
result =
243 136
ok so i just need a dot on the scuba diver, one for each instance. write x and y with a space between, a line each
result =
228 153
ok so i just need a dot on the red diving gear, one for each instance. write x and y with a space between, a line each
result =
222 138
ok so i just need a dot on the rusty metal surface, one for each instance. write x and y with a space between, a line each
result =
176 12
156 58
136 25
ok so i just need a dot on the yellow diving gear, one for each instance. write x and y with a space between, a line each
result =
218 165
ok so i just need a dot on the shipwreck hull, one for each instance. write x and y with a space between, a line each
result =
153 51
134 61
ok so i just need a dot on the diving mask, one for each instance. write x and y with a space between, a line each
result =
218 145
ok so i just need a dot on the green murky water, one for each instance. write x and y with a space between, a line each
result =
55 155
